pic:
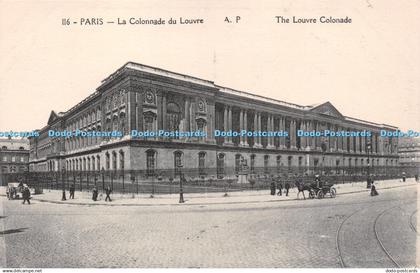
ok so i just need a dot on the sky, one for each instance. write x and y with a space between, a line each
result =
368 69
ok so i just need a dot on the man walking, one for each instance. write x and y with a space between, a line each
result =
108 192
72 189
94 194
26 194
287 187
279 186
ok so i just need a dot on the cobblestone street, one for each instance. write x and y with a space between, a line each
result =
352 230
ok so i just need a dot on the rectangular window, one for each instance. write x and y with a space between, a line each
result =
150 161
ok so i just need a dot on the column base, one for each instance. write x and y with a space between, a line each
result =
270 147
244 145
228 144
258 146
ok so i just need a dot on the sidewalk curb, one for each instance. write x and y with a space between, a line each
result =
198 204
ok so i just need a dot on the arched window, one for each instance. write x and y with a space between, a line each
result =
98 162
114 160
21 148
93 163
252 164
201 163
266 159
289 161
178 162
220 165
150 162
278 163
121 160
107 161
237 163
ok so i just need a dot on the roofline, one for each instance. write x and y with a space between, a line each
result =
200 81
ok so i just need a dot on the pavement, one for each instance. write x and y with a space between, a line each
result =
352 230
254 196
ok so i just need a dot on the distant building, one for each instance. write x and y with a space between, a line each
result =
409 151
14 155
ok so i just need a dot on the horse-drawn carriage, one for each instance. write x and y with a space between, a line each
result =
316 189
320 191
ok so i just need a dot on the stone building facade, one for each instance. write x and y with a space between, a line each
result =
14 155
409 152
144 98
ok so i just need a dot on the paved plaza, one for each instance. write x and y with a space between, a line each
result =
248 229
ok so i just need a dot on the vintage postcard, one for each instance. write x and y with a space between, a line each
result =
221 135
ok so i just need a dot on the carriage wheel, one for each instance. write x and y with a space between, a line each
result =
311 194
333 192
320 194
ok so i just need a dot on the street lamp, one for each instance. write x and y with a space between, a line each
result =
369 179
63 171
181 190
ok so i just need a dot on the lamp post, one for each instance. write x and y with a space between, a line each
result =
369 179
63 172
181 190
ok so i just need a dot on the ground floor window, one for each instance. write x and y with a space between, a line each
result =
150 162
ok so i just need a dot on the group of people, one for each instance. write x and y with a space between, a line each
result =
280 188
95 193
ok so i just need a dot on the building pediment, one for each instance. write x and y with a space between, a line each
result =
53 117
326 109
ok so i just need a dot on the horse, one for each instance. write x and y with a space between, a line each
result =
302 187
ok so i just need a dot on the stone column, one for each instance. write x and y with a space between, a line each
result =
187 115
345 139
351 140
255 128
373 143
317 139
225 124
363 144
230 122
303 139
339 141
357 144
281 128
164 111
245 127
312 139
259 129
293 134
270 126
241 127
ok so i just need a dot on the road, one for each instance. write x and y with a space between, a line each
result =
352 230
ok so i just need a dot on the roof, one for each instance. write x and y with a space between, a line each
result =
14 143
325 108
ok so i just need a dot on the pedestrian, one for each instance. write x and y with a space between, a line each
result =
403 176
279 186
108 192
26 194
273 188
416 177
72 189
94 194
287 187
373 191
